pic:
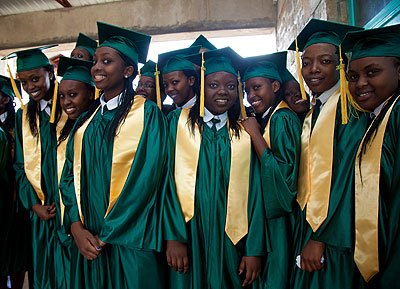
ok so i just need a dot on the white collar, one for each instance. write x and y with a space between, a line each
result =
113 103
266 112
326 94
377 110
208 116
3 116
45 105
190 102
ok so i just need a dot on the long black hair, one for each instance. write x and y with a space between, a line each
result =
233 116
69 124
371 133
9 123
125 102
33 106
196 86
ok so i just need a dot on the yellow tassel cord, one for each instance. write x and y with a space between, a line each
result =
242 108
96 93
158 92
14 86
54 104
139 74
302 90
202 86
343 88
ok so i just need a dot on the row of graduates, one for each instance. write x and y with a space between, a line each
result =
227 198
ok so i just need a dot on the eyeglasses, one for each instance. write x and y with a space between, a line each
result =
145 85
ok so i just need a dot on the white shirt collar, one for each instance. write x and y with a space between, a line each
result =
326 94
377 110
113 103
45 105
3 116
208 116
266 112
190 102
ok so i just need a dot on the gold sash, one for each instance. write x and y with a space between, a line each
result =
367 202
186 162
61 150
267 131
124 151
32 151
316 163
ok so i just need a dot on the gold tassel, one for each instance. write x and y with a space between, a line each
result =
343 88
139 75
14 86
96 93
158 92
202 86
242 108
302 90
54 104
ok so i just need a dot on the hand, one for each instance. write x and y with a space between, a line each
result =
177 257
45 213
251 125
311 256
252 266
101 243
87 244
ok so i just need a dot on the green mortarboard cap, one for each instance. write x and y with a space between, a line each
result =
6 86
321 31
373 42
225 59
148 69
269 66
87 43
29 59
175 60
203 43
132 44
75 69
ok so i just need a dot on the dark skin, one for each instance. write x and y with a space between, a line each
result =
36 83
319 63
179 87
109 71
220 94
88 244
45 213
81 53
147 88
4 99
372 80
261 92
292 94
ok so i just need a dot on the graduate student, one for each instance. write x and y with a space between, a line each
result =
179 76
113 173
147 86
36 130
84 48
332 131
15 223
223 241
276 139
291 94
374 77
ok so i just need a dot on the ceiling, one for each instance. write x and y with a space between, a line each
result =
9 7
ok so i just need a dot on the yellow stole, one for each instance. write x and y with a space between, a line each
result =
267 131
33 154
61 150
367 179
125 145
316 161
186 160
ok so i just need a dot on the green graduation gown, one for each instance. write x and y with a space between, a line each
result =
214 260
50 246
132 230
279 169
389 207
337 231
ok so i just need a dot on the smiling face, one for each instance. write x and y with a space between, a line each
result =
75 97
81 53
221 91
178 86
36 83
261 92
372 80
292 95
319 63
147 88
109 71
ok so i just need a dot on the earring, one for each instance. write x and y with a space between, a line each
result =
126 76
